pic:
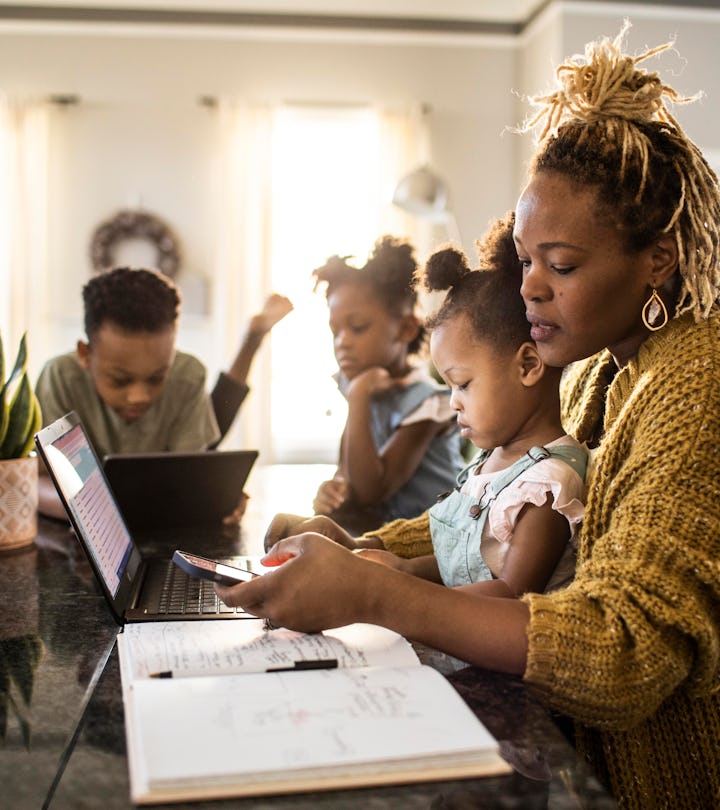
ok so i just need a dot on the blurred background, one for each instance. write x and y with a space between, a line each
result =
269 135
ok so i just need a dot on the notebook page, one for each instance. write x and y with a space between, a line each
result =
199 648
307 725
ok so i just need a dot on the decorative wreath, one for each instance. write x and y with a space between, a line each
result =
135 225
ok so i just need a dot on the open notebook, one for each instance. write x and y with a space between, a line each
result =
137 589
268 721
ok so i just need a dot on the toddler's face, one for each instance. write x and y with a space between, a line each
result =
128 369
483 384
365 334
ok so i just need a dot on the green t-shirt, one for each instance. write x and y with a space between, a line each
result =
181 419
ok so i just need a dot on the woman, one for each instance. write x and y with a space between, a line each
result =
618 232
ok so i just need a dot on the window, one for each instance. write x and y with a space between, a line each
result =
325 200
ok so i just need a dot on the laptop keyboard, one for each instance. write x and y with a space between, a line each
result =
183 595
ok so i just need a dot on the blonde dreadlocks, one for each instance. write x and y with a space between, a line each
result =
607 124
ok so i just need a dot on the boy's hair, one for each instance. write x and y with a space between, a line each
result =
490 296
388 274
135 300
607 125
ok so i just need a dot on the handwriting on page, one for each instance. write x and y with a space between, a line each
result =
202 648
307 720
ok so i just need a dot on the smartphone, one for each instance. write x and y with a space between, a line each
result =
202 567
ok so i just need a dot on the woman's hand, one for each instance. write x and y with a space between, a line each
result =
317 585
383 557
285 525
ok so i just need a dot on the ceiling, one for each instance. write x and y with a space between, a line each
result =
476 10
450 16
468 16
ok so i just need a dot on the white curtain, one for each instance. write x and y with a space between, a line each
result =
245 244
403 148
241 278
23 225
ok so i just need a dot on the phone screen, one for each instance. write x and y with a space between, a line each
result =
211 569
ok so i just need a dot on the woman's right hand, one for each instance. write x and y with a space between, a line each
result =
285 525
315 585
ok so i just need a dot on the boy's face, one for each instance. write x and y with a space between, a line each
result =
128 369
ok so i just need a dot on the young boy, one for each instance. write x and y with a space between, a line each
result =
130 386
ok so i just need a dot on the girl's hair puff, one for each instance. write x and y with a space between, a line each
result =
490 296
607 125
388 273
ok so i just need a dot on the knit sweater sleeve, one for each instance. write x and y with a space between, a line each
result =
642 618
406 538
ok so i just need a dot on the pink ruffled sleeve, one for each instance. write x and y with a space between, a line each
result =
550 476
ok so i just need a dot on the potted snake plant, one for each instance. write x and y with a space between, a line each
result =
20 419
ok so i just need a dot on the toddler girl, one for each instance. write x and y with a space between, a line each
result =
510 521
400 447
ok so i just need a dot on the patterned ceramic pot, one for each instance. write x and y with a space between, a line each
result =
18 502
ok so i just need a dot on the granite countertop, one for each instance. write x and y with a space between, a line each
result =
65 747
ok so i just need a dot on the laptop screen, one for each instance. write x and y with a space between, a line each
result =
86 494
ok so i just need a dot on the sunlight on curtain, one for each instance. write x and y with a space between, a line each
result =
241 278
298 184
333 174
405 146
23 225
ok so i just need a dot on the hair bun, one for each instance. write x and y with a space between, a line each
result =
604 84
445 269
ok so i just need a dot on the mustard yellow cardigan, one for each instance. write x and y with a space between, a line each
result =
631 649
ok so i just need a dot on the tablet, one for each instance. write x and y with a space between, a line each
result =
178 490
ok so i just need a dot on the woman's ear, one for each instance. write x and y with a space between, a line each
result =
664 260
83 353
529 364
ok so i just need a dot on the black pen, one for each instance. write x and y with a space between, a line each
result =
298 666
320 663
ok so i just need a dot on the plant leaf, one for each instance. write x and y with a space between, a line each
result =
20 361
19 367
21 419
35 425
4 416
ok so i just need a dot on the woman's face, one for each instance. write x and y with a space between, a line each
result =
583 290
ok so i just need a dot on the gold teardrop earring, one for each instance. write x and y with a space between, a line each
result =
654 308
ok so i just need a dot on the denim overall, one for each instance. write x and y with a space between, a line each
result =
457 520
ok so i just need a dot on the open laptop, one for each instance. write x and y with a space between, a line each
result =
136 588
170 490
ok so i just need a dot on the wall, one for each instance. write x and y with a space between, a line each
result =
692 66
139 134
